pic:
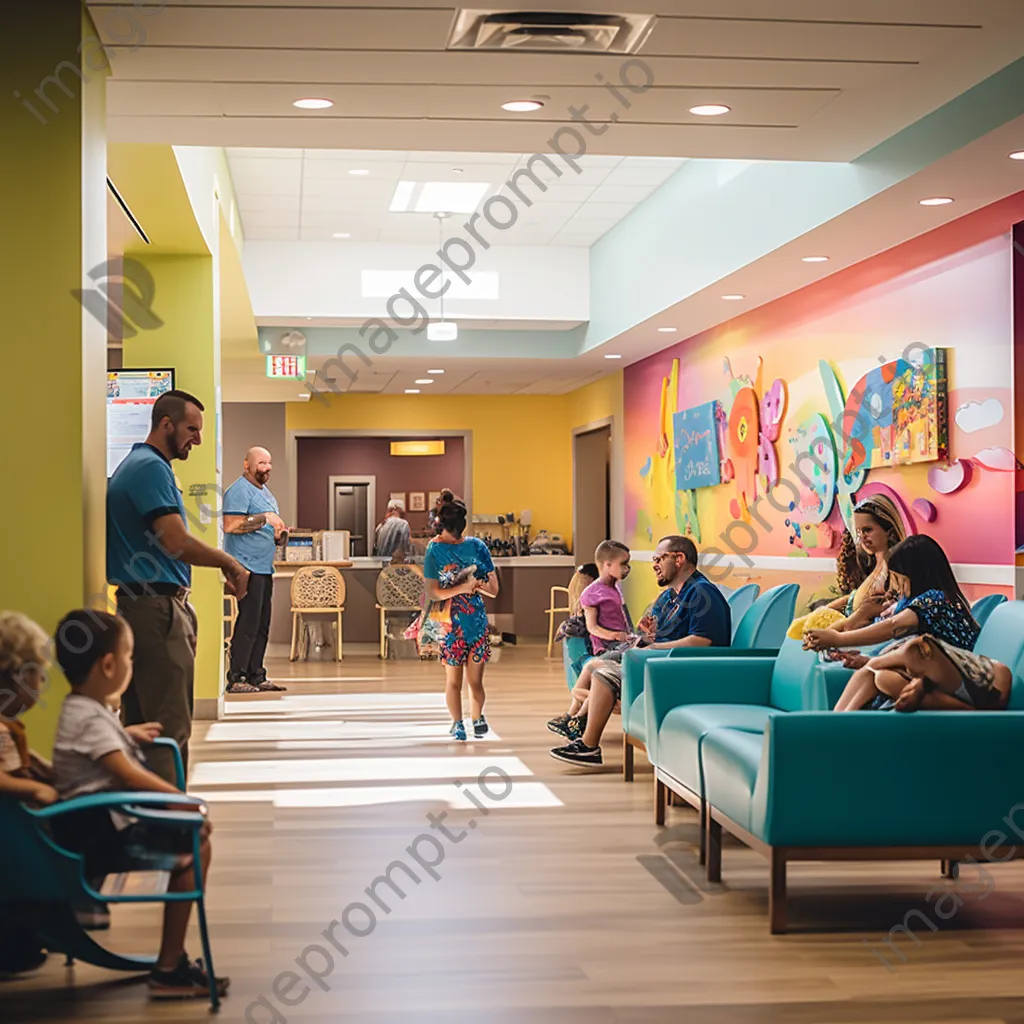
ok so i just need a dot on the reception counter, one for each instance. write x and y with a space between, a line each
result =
519 607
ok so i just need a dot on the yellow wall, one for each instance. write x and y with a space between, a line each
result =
522 444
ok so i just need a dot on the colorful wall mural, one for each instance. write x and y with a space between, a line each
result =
868 382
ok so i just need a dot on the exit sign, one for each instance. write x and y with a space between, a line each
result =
286 366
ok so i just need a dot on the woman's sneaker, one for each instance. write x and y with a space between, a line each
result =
458 730
188 980
480 727
578 752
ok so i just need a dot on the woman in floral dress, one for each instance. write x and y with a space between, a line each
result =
459 572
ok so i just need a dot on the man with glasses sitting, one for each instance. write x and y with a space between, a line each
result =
690 612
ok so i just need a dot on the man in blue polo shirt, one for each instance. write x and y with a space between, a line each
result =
150 555
252 528
690 612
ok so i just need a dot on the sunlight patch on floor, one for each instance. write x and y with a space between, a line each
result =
523 795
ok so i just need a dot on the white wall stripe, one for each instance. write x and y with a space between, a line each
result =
966 572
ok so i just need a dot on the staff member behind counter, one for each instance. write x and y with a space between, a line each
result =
252 528
150 555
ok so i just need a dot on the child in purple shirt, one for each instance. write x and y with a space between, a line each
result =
606 623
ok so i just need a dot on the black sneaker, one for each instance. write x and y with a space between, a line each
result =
480 727
188 980
241 686
578 752
559 725
576 727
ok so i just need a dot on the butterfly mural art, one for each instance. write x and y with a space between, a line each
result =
754 425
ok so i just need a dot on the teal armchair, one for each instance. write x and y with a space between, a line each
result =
42 882
817 785
758 632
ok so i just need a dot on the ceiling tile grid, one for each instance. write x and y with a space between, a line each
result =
314 194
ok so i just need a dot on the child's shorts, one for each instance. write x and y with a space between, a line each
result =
109 850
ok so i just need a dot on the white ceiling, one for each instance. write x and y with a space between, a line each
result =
806 79
308 195
245 380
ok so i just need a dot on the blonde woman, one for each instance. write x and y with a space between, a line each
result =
861 569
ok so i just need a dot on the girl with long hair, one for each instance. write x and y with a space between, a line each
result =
861 569
459 572
936 668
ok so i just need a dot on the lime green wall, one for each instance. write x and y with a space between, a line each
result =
53 355
185 298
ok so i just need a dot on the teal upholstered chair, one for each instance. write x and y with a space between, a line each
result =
740 601
985 606
761 630
41 883
810 785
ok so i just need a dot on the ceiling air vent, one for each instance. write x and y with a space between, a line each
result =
550 31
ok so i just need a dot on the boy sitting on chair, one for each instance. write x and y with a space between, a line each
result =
690 612
607 625
94 753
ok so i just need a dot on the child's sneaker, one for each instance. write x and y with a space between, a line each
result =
576 727
559 724
188 980
579 753
458 731
480 727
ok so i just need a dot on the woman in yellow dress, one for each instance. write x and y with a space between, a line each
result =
861 570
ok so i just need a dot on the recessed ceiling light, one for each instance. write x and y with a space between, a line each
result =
435 371
313 103
412 391
521 106
667 330
359 170
424 380
709 109
1019 155
936 201
733 298
612 355
341 234
309 318
814 259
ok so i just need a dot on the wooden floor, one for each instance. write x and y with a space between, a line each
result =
562 903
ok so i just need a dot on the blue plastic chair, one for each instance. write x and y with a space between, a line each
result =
985 606
739 601
44 882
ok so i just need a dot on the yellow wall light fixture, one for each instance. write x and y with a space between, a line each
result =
417 447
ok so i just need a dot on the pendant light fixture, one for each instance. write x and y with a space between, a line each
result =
441 330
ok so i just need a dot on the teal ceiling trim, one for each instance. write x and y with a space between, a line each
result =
714 217
496 344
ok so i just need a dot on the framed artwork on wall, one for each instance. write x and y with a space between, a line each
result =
417 501
397 496
433 497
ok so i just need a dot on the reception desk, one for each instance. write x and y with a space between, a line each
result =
519 607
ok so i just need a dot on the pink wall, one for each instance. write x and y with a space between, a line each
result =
322 457
948 289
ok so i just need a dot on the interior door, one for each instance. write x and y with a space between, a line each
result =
350 513
592 500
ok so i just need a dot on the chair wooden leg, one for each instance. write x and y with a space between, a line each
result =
338 653
551 632
295 624
660 800
714 850
627 759
777 893
383 637
702 855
